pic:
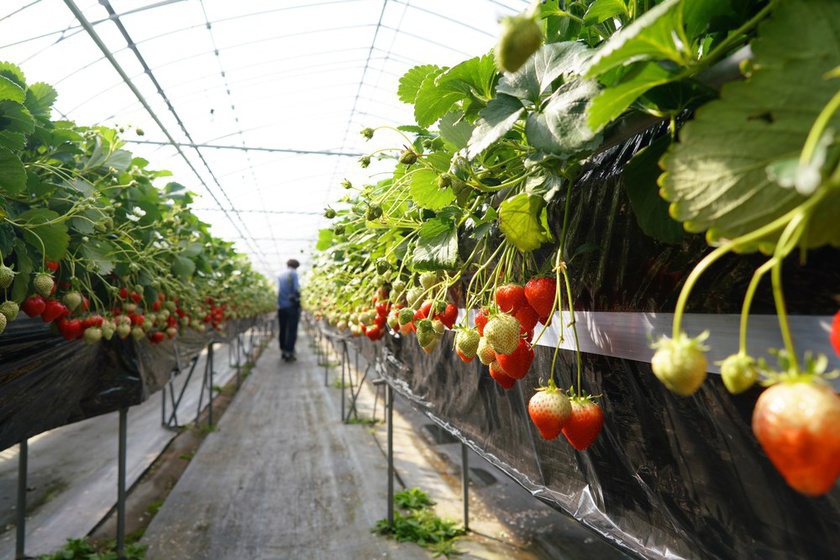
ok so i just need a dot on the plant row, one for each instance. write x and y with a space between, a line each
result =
91 245
473 212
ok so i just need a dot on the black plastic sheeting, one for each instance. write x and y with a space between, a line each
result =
47 381
668 477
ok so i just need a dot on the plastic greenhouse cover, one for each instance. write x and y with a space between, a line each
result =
668 477
47 381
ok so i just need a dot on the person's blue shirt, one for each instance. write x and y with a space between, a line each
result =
287 285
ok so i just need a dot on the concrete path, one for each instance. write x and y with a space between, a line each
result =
283 477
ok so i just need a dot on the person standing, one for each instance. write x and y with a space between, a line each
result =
288 308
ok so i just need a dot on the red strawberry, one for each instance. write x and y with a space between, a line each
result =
54 309
517 363
527 318
541 293
123 293
33 305
70 329
584 423
52 265
481 319
499 375
549 410
510 297
156 337
796 424
423 311
136 298
449 315
834 336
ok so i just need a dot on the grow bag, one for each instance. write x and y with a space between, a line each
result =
668 477
47 381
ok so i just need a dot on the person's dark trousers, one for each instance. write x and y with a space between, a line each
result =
288 318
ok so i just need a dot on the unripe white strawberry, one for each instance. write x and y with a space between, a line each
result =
486 354
739 373
502 333
137 333
521 37
123 330
10 309
93 335
466 342
43 284
72 300
680 363
7 276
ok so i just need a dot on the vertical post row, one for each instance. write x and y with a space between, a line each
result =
465 484
389 408
121 476
23 469
210 383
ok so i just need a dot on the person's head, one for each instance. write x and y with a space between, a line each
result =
292 263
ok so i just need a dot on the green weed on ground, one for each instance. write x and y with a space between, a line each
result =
418 523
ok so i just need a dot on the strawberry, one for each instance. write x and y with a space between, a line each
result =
3 322
466 344
738 373
136 297
72 300
502 333
44 284
541 293
449 315
70 329
51 265
9 309
423 311
834 336
510 297
33 305
521 37
428 280
680 363
796 422
485 352
123 330
499 375
171 332
7 276
527 318
406 316
481 319
137 333
92 335
584 423
53 309
517 363
549 410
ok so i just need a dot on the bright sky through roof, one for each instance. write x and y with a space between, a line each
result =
265 99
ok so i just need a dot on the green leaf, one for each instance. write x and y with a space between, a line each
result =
325 239
182 267
14 141
24 268
455 130
426 192
437 246
561 127
612 101
99 254
439 93
653 36
639 178
12 173
11 91
496 120
49 239
40 98
522 218
16 118
412 80
538 75
716 175
602 10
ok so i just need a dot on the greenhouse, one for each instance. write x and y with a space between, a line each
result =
354 279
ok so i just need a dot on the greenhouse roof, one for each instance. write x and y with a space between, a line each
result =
255 106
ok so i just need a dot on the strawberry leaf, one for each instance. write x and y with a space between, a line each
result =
183 267
40 98
537 76
437 245
11 91
455 131
496 120
716 176
426 192
44 233
411 81
522 218
12 173
612 101
439 93
602 10
560 127
99 253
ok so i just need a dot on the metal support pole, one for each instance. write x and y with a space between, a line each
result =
343 363
389 400
210 378
23 469
465 484
121 476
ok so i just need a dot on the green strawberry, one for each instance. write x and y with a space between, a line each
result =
3 322
406 316
7 275
466 343
486 354
680 363
521 37
93 335
72 300
502 333
9 309
428 279
739 373
43 284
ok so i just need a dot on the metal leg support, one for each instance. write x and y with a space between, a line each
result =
465 484
23 469
121 476
389 408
